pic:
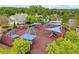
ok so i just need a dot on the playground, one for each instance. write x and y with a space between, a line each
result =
40 40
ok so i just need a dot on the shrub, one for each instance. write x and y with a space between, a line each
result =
62 46
20 46
5 51
14 25
31 19
72 36
69 44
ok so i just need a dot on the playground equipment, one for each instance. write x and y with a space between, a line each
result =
28 36
55 31
35 24
31 30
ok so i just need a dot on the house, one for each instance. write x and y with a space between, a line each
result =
56 21
77 29
71 23
18 19
36 15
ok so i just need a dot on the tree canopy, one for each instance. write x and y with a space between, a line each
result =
67 45
20 46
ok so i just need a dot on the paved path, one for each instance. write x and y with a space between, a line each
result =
40 43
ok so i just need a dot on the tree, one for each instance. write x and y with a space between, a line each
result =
31 19
62 46
14 25
72 36
65 18
20 46
76 20
67 45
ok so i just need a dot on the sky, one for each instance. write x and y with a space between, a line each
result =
62 6
52 4
48 6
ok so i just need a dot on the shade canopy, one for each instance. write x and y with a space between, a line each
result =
54 23
28 36
35 24
13 36
56 29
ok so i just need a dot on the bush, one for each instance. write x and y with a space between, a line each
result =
5 26
9 29
62 46
14 25
20 46
72 36
31 19
3 20
69 44
5 51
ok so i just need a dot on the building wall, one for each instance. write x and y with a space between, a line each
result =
18 19
71 23
77 29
